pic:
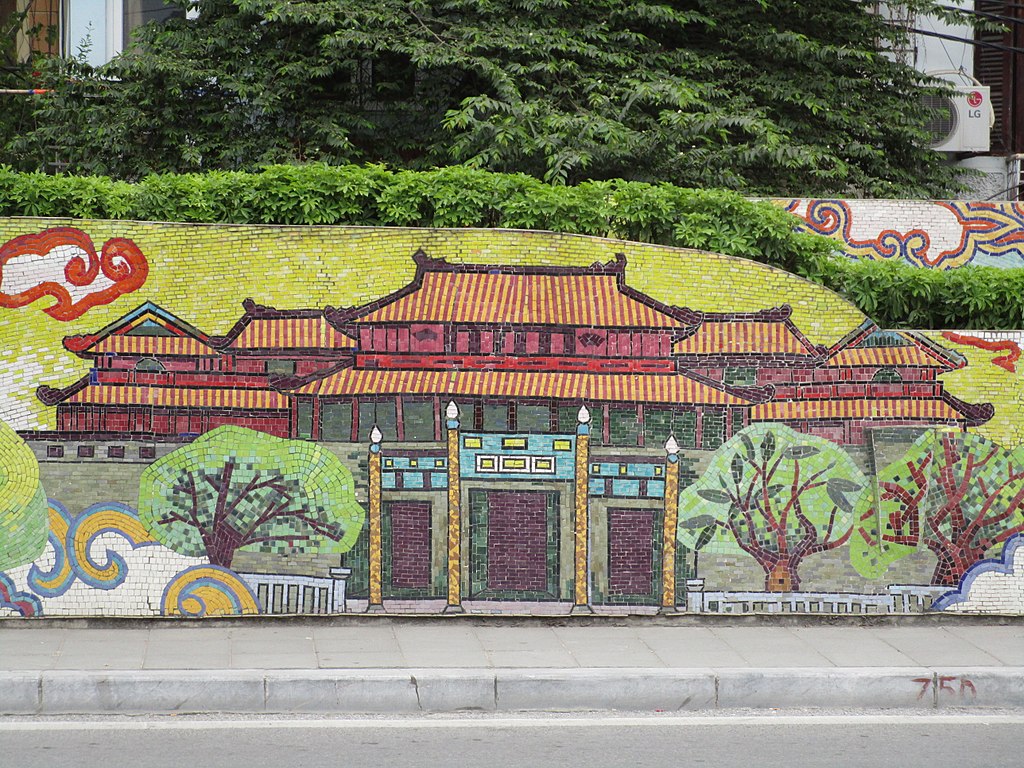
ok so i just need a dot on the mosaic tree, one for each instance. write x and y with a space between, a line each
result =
958 494
24 516
237 489
775 494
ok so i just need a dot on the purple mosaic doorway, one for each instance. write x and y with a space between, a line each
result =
634 552
514 545
407 534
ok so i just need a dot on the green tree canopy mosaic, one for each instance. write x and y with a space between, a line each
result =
956 493
235 488
24 519
775 494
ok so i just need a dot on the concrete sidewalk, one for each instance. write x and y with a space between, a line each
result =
384 664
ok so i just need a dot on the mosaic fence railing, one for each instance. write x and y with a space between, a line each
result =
413 420
279 594
897 599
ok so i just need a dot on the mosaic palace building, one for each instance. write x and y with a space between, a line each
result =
519 349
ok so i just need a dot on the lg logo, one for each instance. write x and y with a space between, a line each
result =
974 100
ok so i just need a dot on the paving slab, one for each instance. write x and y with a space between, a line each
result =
361 660
32 643
524 647
1003 643
539 659
936 646
273 661
694 647
499 638
771 647
88 655
852 647
440 646
335 640
441 657
291 642
608 650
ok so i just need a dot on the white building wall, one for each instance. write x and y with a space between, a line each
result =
935 55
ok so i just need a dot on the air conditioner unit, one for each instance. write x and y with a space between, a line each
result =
960 121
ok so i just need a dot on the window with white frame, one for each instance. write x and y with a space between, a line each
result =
99 29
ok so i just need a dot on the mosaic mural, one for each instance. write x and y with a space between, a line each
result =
938 235
62 263
321 420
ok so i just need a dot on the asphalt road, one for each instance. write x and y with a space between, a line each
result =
593 741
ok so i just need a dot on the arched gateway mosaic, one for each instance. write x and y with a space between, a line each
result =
319 420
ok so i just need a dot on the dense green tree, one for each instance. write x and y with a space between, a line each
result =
764 96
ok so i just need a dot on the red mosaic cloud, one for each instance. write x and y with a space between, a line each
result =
120 261
1006 362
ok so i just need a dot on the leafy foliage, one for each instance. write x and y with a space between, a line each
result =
24 517
456 196
895 295
767 97
898 295
776 495
234 488
958 494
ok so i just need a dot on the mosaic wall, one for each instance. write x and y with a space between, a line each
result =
938 235
203 420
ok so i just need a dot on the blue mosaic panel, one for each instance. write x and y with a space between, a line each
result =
630 480
517 456
418 471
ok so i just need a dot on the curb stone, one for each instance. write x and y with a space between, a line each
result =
512 689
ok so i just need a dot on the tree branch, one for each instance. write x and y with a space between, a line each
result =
752 547
220 510
193 493
980 521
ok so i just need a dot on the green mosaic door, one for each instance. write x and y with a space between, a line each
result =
513 545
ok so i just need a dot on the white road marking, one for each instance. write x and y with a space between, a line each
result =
654 721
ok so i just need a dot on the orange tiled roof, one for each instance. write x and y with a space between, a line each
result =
875 356
252 399
739 337
867 345
648 388
152 345
530 299
938 410
291 333
125 335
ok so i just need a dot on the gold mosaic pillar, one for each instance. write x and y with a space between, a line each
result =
581 561
669 533
454 513
376 603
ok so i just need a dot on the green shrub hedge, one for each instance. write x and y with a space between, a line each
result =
894 294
